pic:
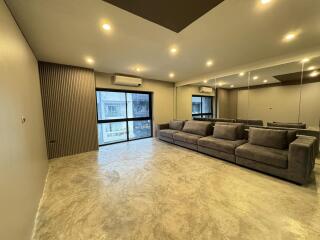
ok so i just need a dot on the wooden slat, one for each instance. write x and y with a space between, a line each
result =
69 109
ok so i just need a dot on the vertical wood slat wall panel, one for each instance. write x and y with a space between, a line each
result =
69 109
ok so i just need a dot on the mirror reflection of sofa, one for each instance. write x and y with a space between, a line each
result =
247 122
214 120
287 125
280 152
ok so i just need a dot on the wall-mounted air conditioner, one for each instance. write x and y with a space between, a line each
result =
205 90
127 81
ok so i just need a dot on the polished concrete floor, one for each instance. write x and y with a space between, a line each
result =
148 189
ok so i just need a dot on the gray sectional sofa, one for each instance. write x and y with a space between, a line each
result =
279 152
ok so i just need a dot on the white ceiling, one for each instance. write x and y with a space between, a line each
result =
235 33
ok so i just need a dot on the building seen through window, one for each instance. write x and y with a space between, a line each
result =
123 116
203 106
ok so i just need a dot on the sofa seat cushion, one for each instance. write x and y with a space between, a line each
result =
223 145
270 156
186 137
167 133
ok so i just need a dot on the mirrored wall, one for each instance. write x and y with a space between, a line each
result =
284 93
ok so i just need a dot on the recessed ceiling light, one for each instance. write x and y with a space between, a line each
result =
90 60
255 77
314 74
232 86
106 27
311 68
289 37
241 74
265 1
138 69
265 81
205 81
305 60
220 84
209 63
173 50
171 75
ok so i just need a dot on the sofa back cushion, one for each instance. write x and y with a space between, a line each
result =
291 136
223 120
228 132
269 138
202 128
287 125
250 122
176 125
239 127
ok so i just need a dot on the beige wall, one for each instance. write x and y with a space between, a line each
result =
281 104
227 103
184 101
163 95
23 158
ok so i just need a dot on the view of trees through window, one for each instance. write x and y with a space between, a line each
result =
123 116
202 106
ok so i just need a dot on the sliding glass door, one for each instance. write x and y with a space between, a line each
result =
123 115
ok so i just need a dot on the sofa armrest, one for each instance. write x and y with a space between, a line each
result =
163 126
301 159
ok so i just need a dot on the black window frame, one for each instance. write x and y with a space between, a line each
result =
202 115
127 120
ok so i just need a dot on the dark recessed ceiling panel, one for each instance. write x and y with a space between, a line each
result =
172 14
295 78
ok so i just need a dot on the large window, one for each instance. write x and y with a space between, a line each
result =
123 116
202 106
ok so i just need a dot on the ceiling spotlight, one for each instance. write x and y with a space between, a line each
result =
255 77
241 74
314 74
173 50
265 81
289 37
220 84
205 81
90 60
138 69
209 63
311 68
106 27
305 60
265 1
232 86
171 75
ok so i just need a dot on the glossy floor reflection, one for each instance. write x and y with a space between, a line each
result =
148 189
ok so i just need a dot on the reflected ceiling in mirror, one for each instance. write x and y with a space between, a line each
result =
284 74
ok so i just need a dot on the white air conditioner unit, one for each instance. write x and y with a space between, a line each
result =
127 81
205 90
